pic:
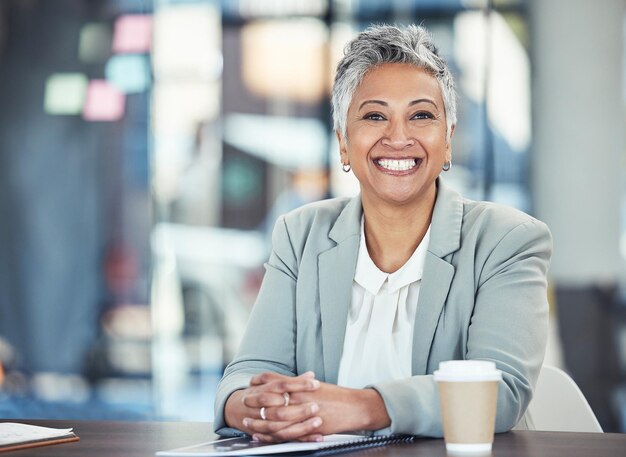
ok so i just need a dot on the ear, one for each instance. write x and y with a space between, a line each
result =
449 143
452 129
343 150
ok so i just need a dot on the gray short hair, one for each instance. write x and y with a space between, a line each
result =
381 44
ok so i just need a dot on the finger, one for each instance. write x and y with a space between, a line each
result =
291 432
295 413
254 426
316 438
256 399
298 398
267 376
287 384
279 418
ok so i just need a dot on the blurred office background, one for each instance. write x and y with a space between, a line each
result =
146 148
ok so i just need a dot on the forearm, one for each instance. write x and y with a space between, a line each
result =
412 405
234 410
227 386
372 410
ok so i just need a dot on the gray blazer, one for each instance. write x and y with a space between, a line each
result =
483 296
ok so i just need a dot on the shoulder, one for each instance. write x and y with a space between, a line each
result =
317 215
310 224
493 227
470 226
495 216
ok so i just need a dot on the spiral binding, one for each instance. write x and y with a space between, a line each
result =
359 444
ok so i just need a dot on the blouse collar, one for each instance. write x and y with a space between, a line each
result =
372 279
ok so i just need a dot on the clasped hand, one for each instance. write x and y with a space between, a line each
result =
310 409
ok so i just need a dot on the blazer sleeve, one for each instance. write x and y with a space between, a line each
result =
508 326
269 340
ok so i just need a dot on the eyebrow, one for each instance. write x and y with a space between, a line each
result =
411 103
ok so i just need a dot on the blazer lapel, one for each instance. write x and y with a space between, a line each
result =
436 282
438 272
336 272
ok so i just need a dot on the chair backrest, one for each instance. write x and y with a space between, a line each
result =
559 405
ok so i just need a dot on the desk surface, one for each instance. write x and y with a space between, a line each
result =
134 439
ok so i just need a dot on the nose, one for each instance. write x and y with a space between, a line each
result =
397 136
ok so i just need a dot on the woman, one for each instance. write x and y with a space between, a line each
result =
363 297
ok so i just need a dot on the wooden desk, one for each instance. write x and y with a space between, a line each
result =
134 439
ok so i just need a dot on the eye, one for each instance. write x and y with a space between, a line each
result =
423 116
374 117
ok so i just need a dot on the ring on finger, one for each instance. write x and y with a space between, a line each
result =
262 413
286 397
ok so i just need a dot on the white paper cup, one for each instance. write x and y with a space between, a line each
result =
468 392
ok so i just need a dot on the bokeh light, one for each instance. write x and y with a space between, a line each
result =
65 93
130 73
104 102
133 34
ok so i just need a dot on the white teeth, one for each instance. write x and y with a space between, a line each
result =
397 165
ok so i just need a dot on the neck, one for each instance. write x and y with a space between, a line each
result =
393 232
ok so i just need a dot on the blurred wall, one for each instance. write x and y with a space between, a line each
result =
577 177
51 207
578 160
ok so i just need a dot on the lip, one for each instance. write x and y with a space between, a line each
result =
418 160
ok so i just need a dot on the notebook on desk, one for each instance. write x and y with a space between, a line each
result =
14 436
332 444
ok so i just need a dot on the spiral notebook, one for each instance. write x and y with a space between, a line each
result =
332 444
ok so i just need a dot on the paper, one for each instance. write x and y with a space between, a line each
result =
13 433
245 446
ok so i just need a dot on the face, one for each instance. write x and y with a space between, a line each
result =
396 135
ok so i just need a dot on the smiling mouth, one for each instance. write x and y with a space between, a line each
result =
398 164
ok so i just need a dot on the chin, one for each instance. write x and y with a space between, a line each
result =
408 197
401 200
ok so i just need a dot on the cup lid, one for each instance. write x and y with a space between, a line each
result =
467 371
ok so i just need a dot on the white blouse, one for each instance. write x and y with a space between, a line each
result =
378 344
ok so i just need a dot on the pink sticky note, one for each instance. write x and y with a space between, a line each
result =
132 33
104 102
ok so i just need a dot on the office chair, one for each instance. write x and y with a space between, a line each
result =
559 405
